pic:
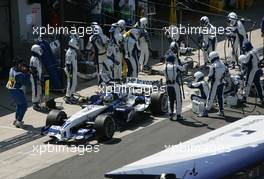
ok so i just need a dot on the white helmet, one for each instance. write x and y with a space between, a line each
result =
74 44
143 22
242 58
93 23
204 21
232 18
173 45
108 98
213 56
121 23
37 49
198 75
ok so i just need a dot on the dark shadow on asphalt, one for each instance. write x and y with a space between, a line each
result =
112 141
194 123
31 128
141 120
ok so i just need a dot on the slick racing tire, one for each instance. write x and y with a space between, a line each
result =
56 117
105 127
159 103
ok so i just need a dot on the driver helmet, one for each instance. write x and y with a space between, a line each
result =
108 98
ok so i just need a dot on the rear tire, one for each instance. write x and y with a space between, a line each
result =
105 127
159 103
56 117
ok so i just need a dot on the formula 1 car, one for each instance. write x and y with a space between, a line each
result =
104 113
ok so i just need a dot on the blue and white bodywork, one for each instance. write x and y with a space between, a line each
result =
216 154
81 124
101 117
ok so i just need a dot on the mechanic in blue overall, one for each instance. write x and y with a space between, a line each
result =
172 71
199 83
216 77
252 71
71 69
19 76
36 76
238 36
208 38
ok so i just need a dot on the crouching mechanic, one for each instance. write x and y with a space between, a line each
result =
172 71
199 83
19 77
216 77
36 77
71 71
250 64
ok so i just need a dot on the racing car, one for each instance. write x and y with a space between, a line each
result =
104 113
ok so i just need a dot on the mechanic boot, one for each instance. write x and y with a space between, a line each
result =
74 100
243 100
19 124
70 100
37 107
220 114
204 114
67 100
171 116
179 118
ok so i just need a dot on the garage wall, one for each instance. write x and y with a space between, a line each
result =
29 15
4 21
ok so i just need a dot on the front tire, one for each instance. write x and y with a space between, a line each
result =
56 117
105 127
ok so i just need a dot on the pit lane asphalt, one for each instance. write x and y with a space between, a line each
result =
119 152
